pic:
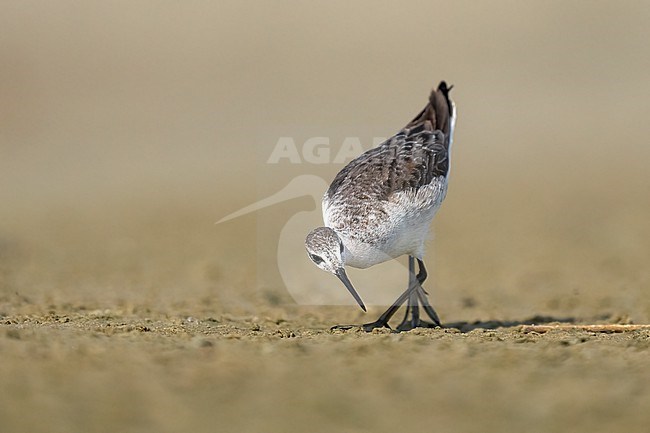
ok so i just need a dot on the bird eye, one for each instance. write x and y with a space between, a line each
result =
316 259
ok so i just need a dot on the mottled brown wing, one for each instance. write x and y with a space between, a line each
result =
410 159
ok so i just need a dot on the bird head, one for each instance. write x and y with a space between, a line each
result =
327 251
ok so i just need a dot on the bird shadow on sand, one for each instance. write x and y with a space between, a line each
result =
494 324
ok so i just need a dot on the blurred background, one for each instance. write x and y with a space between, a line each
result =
127 128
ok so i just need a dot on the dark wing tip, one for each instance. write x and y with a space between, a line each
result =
444 89
437 113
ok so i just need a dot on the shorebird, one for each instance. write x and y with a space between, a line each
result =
380 206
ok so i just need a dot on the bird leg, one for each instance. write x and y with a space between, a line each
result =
382 322
415 295
422 295
418 296
412 306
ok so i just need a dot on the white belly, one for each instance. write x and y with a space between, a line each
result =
405 230
408 236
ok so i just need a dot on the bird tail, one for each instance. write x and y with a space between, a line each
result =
440 112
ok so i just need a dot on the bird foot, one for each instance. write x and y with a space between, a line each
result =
408 325
367 327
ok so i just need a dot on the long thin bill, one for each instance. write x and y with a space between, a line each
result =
348 285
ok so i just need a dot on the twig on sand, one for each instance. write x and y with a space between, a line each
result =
589 328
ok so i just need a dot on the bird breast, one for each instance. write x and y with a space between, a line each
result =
383 230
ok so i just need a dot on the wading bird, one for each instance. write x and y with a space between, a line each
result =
380 206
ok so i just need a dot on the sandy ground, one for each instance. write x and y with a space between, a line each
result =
68 368
128 128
